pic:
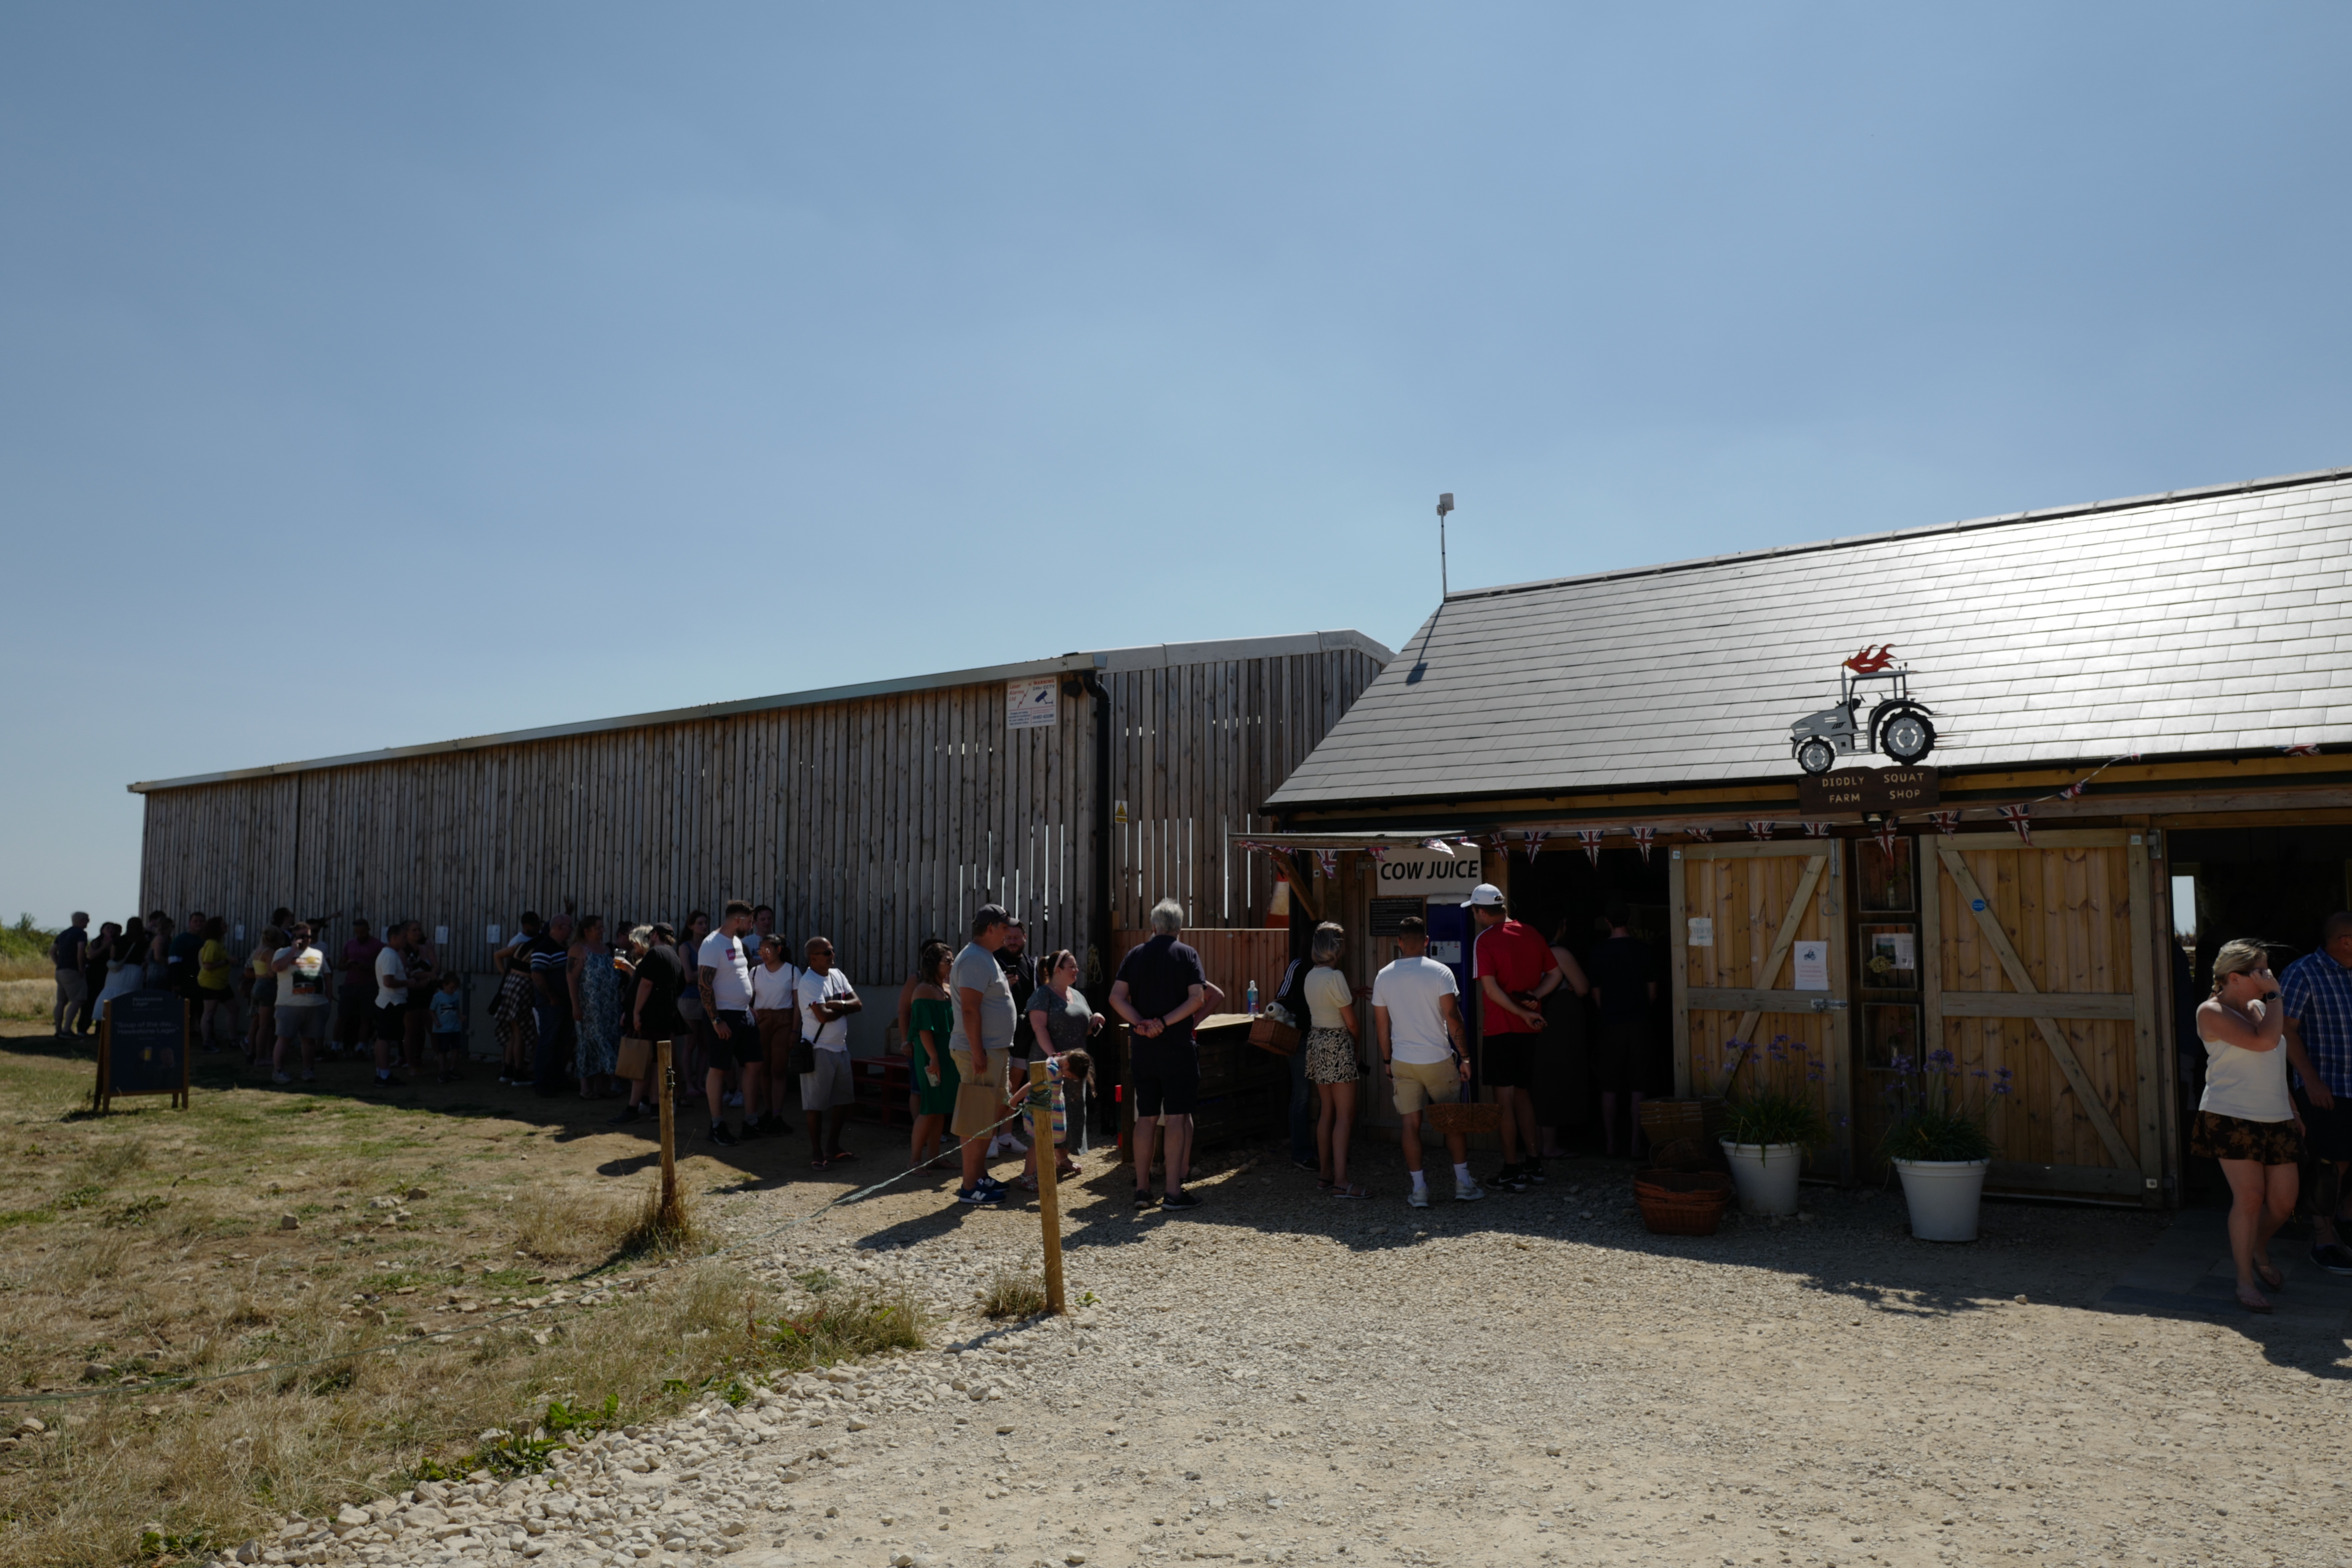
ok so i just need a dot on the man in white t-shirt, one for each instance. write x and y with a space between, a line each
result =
826 1093
392 1002
1417 1011
723 978
776 1012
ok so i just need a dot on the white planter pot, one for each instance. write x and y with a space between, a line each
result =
1765 1175
1944 1195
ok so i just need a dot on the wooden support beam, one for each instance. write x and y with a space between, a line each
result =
2040 1004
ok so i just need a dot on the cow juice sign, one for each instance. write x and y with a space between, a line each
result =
1428 874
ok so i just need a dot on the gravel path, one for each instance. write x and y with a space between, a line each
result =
1283 1378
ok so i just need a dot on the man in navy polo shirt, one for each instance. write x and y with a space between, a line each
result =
2317 995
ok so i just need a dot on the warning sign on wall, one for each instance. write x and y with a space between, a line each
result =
1032 704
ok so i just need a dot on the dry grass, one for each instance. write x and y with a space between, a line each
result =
26 996
27 966
1014 1292
148 1245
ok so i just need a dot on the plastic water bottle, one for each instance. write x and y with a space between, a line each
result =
1252 998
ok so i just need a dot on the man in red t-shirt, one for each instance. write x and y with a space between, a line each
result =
1515 970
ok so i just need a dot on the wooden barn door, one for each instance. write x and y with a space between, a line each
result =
2039 960
1760 956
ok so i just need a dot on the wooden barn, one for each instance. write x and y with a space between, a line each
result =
2139 728
1076 790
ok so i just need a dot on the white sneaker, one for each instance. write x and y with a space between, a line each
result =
1468 1191
1418 1197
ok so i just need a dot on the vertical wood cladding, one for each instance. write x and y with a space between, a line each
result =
875 821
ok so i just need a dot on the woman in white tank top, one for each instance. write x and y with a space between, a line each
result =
2246 1119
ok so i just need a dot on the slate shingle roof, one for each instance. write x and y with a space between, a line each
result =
2218 619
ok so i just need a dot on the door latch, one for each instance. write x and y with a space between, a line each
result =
1826 1003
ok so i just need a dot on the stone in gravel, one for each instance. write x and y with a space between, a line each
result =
289 1222
416 1192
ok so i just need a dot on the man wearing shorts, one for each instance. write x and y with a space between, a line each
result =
724 977
981 1042
1161 989
390 1004
827 1091
1417 1015
304 975
1516 972
2316 994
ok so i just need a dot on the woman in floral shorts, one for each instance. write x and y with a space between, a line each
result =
1331 1067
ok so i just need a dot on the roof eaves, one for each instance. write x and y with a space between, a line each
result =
1150 656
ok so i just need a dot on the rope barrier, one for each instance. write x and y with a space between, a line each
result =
442 1336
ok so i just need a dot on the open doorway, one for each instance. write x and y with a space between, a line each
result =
2274 885
1564 896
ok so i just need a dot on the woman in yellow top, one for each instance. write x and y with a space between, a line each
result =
1331 1064
215 980
261 996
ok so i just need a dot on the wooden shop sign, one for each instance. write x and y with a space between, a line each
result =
1867 789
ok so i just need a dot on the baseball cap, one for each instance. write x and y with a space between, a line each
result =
1485 895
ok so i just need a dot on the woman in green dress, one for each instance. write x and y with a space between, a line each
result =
931 1020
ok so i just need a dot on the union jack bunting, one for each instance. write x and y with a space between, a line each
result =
1591 838
2020 817
1472 844
1642 838
1497 843
2302 749
1701 835
1379 852
1886 826
1439 845
1946 822
1761 829
2074 791
1331 862
1535 837
1817 830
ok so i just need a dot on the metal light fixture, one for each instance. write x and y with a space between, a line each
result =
1444 505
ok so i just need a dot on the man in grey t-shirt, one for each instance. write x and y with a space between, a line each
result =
979 1042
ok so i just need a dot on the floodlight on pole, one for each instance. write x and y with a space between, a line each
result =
1444 505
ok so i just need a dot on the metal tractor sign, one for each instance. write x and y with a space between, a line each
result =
1897 726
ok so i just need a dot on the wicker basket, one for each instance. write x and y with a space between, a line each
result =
1472 1119
1682 1202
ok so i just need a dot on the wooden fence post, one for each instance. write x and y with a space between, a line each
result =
667 1088
1049 1196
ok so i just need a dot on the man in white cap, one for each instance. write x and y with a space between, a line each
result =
1516 970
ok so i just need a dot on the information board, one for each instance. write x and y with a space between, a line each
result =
1032 704
143 1047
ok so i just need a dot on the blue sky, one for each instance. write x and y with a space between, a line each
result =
374 375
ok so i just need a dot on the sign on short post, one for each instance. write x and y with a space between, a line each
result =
142 1047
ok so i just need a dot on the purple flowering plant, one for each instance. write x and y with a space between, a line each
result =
1767 1114
1932 1120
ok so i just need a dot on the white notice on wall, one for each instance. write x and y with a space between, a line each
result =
1812 965
493 935
1702 931
240 933
1032 704
441 938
